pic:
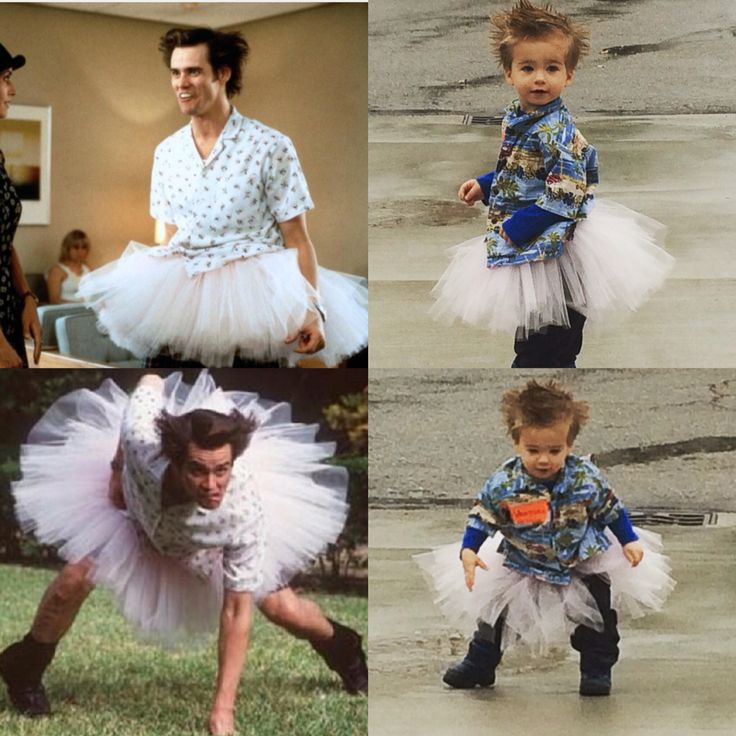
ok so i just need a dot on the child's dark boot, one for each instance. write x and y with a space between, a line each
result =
595 683
478 669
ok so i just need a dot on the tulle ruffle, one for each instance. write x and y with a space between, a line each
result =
247 307
540 616
62 499
611 266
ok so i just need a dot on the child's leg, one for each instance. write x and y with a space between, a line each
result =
478 668
598 649
555 347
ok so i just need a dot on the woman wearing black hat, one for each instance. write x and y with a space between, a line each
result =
18 314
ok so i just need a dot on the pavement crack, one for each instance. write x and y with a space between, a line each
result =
711 34
657 452
438 27
442 87
720 392
421 211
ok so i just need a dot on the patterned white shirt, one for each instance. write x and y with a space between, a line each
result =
197 537
228 205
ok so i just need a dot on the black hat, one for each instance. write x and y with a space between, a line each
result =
10 62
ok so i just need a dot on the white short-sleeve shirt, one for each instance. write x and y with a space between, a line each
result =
199 538
228 205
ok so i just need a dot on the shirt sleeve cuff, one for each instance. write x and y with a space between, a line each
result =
485 182
473 539
622 529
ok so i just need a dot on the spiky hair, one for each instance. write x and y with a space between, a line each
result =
540 405
525 21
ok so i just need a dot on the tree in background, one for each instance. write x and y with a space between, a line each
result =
348 419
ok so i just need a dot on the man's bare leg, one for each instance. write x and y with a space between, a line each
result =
23 664
61 602
338 645
299 616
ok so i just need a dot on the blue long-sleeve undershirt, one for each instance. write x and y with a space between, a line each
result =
621 528
525 224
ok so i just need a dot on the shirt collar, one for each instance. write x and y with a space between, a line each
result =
525 480
231 130
233 125
515 116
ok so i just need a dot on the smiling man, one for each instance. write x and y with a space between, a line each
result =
237 282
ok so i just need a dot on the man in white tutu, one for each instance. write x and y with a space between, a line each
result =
186 533
236 283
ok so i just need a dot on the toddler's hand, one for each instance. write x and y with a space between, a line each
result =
633 551
470 192
470 562
502 233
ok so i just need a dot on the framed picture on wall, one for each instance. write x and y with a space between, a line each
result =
25 140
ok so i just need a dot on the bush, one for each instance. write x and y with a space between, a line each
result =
348 418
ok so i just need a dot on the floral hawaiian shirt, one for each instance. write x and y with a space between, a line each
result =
227 206
200 539
547 531
544 160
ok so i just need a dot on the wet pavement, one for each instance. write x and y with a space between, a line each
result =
676 169
652 96
647 56
674 677
666 441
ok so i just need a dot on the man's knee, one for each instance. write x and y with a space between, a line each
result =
73 582
281 607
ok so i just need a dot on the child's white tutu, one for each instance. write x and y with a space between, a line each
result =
147 303
63 499
612 264
540 616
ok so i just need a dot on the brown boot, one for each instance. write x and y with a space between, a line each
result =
344 654
21 667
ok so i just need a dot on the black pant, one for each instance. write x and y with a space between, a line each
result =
553 346
598 649
16 339
359 360
163 360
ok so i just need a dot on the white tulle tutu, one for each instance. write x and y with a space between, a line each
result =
540 616
62 499
612 264
148 303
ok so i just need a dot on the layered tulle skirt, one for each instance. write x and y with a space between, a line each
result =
613 263
540 616
247 307
62 499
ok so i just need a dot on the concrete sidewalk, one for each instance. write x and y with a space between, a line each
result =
646 56
675 168
674 679
664 438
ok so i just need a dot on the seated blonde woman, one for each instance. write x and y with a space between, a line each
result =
63 278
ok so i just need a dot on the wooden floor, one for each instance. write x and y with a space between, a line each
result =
51 359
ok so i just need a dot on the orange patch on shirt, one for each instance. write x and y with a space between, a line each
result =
530 512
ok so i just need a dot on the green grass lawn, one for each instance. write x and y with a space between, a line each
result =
104 682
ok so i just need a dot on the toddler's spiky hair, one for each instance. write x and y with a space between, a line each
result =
526 21
540 405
